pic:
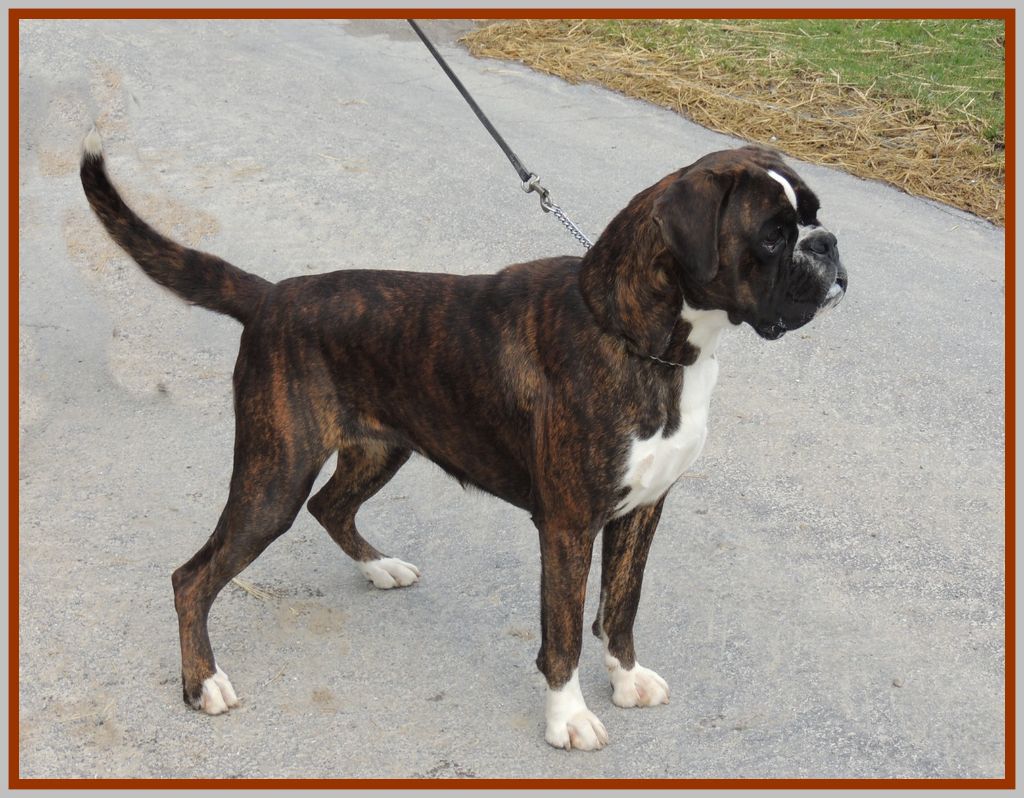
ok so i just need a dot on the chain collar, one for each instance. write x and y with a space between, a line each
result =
664 362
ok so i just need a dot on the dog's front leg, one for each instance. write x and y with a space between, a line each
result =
625 544
565 562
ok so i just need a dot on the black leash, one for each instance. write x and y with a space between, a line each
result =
530 181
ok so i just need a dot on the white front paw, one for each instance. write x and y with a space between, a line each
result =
637 687
569 723
583 731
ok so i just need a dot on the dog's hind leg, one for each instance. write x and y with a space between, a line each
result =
266 494
363 469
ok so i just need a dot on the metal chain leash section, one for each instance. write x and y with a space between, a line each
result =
546 205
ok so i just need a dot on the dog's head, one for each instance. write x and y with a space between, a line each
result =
743 231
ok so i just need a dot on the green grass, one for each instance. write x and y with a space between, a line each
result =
951 66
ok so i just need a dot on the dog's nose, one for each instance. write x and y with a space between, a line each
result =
821 242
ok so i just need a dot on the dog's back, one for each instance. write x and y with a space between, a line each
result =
449 366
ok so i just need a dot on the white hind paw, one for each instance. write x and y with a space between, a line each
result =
389 572
637 687
218 694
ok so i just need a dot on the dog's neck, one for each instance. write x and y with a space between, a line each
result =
628 281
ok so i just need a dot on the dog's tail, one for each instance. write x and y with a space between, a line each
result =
196 277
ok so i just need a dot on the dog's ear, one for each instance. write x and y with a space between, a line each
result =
688 213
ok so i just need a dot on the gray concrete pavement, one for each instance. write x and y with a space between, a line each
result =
825 594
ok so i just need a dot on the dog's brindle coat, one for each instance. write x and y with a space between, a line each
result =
530 384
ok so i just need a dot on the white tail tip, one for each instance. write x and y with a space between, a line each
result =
93 144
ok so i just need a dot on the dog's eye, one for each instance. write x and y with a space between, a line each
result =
774 240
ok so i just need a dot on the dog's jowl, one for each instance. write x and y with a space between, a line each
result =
575 388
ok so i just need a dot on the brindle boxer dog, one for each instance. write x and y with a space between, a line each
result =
575 388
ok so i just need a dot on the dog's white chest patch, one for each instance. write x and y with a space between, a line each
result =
654 464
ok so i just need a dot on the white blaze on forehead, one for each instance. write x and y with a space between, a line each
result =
785 186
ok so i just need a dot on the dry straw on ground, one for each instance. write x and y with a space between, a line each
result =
813 117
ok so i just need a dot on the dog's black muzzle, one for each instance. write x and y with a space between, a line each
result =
817 283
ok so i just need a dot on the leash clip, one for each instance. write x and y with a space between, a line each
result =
533 184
